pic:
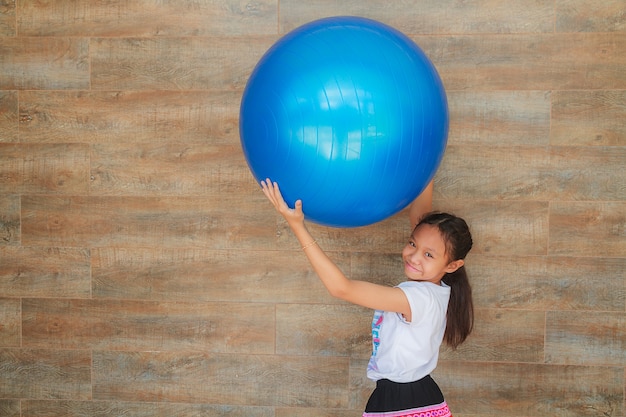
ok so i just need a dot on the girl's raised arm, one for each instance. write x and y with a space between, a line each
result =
362 293
421 205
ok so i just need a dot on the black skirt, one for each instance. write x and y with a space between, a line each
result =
418 398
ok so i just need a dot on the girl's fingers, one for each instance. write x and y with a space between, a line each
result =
271 191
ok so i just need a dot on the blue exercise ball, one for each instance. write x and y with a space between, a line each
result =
347 114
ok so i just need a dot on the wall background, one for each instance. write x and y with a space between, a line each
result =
142 272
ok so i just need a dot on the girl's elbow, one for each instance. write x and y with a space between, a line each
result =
338 292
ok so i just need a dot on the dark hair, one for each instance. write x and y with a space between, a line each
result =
458 241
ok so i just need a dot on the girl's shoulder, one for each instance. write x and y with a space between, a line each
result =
427 286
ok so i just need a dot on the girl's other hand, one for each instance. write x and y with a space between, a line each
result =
273 194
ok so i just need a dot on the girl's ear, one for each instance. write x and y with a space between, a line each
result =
454 265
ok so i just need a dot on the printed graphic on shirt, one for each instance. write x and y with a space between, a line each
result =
377 321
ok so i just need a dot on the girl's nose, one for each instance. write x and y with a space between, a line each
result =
414 257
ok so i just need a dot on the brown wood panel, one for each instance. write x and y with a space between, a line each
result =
42 168
444 16
503 336
389 235
65 408
586 338
504 228
45 374
571 61
381 268
175 63
171 168
548 282
360 386
590 16
346 330
148 325
577 227
7 18
521 390
587 173
44 63
10 408
588 118
313 412
558 173
495 172
10 220
10 326
239 379
127 117
45 272
147 18
499 118
8 116
208 275
146 221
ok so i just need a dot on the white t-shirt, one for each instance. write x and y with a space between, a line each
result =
407 352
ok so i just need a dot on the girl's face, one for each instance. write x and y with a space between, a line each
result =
425 257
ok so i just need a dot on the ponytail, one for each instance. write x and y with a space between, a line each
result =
460 315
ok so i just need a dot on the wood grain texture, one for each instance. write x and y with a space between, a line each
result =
7 18
532 62
10 220
587 173
445 16
576 225
143 221
10 408
242 379
585 16
45 272
548 282
315 330
586 338
38 408
147 18
201 275
171 168
129 117
513 228
512 173
44 63
8 116
485 389
312 412
503 336
189 63
148 325
10 326
588 118
361 386
556 173
45 374
387 236
499 118
44 169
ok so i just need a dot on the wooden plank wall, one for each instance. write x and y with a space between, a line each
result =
143 274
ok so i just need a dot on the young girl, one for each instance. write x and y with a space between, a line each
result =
410 320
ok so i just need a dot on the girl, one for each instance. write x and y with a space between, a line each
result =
410 320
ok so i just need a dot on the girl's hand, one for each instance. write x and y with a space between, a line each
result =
272 192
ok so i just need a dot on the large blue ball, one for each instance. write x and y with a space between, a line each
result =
347 114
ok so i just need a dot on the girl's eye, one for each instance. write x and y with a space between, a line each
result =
411 243
429 255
